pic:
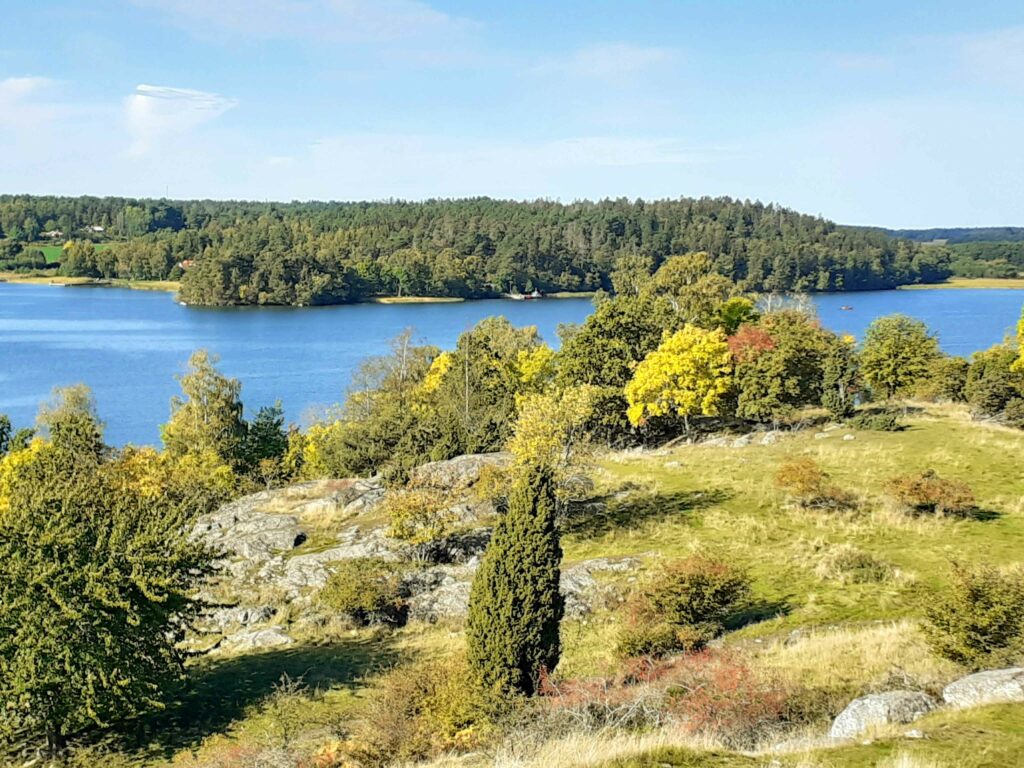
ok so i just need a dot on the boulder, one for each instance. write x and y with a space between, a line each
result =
238 529
582 591
240 616
254 640
996 686
458 473
880 709
441 592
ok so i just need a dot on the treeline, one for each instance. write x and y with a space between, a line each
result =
1005 259
953 235
327 253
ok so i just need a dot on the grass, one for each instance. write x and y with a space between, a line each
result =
988 737
53 252
971 282
416 300
723 500
52 278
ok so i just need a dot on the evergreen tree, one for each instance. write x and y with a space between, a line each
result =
266 437
95 584
839 378
5 433
515 606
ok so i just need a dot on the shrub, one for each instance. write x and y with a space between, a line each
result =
979 620
947 378
848 565
367 589
808 485
683 606
419 517
992 382
718 695
927 493
883 420
418 711
1013 414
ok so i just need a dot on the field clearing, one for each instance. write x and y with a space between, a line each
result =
971 282
53 252
16 278
723 501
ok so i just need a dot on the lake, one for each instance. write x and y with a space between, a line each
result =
128 345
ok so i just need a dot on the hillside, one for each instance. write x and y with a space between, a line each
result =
834 613
954 235
234 252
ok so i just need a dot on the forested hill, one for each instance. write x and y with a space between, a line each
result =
954 235
324 253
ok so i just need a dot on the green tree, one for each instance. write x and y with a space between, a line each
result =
95 585
266 437
209 417
515 606
993 380
779 365
840 377
897 354
6 433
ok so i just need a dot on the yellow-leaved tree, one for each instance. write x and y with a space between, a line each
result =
688 374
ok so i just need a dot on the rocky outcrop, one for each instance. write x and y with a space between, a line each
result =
996 686
880 709
256 640
459 473
583 591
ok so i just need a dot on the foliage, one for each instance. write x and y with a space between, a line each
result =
209 417
840 377
946 380
265 437
716 694
515 607
897 354
926 492
419 516
688 374
780 365
420 710
695 290
6 432
993 381
1013 413
846 564
95 586
327 253
809 485
551 428
879 420
368 590
683 606
978 620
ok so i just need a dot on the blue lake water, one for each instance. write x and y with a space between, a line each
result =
128 345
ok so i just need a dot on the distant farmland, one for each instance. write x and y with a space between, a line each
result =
52 252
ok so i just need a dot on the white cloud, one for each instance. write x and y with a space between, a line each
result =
996 56
608 61
20 106
156 113
334 20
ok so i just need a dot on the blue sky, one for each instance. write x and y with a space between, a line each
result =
903 114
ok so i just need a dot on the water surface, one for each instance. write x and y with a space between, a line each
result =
128 345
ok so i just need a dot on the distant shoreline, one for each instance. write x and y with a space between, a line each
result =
1016 283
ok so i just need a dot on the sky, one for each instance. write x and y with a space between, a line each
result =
895 113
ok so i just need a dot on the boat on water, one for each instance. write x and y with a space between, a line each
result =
846 307
516 296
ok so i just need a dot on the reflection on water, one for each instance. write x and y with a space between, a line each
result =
128 345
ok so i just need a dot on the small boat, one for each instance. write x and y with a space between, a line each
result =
846 307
